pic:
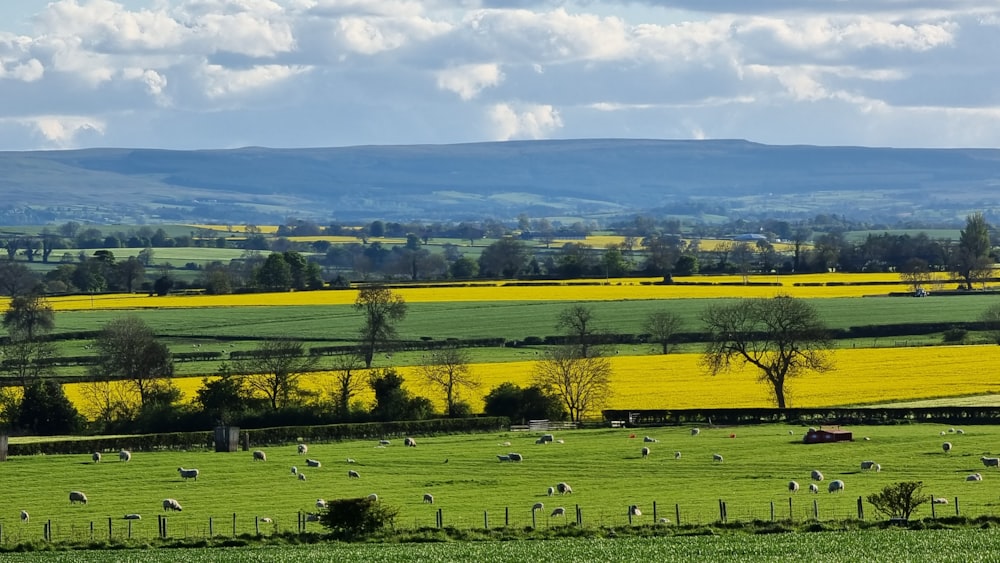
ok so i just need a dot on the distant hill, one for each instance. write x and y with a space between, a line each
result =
595 178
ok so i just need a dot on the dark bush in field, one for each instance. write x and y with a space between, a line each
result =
355 518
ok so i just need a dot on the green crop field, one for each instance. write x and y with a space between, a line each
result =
462 472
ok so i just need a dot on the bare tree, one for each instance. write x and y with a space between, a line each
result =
108 401
579 325
127 349
662 326
915 273
582 383
348 380
448 370
274 368
782 337
382 309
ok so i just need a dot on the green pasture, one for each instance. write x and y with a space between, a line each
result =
960 546
604 467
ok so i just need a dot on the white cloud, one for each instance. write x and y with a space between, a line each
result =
61 130
468 80
529 121
221 82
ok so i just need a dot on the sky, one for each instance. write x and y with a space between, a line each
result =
205 74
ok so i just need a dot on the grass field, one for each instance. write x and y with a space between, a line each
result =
604 467
959 546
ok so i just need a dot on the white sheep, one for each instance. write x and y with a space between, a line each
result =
564 488
813 488
350 460
793 487
943 432
188 473
505 444
428 498
171 504
952 430
558 511
990 461
352 474
878 467
294 470
790 432
552 491
946 447
313 463
975 477
537 506
867 438
384 442
939 500
836 486
645 452
77 496
259 455
816 475
959 431
695 431
266 520
320 503
124 455
302 476
677 455
25 516
409 442
664 521
373 497
867 465
717 457
132 516
633 510
96 457
302 448
649 439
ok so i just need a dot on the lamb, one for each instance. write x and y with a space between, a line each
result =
373 497
302 448
645 452
813 488
320 503
564 488
428 498
793 487
878 467
24 516
383 442
96 457
77 496
171 504
552 491
960 431
677 455
313 463
352 474
946 447
717 457
294 470
537 506
409 442
259 455
558 511
975 477
868 465
648 439
266 520
990 461
634 510
540 441
695 431
503 457
515 457
124 455
663 521
188 473
350 460
302 476
836 486
939 500
132 516
816 475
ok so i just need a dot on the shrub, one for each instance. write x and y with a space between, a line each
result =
955 335
356 518
899 500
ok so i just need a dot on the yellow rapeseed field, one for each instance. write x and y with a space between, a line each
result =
861 376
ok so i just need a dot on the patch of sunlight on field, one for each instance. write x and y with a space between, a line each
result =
341 239
264 229
677 381
714 245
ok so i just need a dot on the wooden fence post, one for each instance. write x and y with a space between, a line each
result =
629 510
772 511
861 509
234 524
579 516
3 446
815 509
933 515
486 519
677 514
654 512
506 516
791 513
109 529
957 512
211 532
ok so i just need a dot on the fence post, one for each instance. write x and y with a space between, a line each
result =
957 513
440 519
791 513
506 517
722 512
816 509
579 516
629 510
234 524
91 530
677 514
210 530
533 523
256 525
3 446
861 509
933 515
486 519
654 512
129 529
109 529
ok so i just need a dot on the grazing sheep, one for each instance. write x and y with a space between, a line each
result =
310 517
384 442
171 504
294 470
77 496
313 463
645 452
259 455
428 498
373 497
302 476
717 457
695 431
790 432
836 486
551 491
540 442
352 474
124 455
96 457
302 448
975 477
816 475
960 431
320 503
793 487
943 432
648 439
409 442
537 506
946 447
24 516
188 473
952 430
558 511
515 457
564 488
503 457
878 467
867 465
634 510
939 500
677 455
813 488
548 438
132 516
990 461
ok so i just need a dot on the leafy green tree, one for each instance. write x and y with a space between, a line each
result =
686 265
382 310
224 398
899 500
522 404
45 410
348 382
274 274
505 258
16 279
972 261
782 337
464 268
127 349
131 272
28 321
392 402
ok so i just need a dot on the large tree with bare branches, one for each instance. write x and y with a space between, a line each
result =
448 370
582 383
274 368
382 310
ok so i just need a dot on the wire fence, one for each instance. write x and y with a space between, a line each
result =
799 510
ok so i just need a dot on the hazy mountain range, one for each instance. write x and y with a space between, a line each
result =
587 179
